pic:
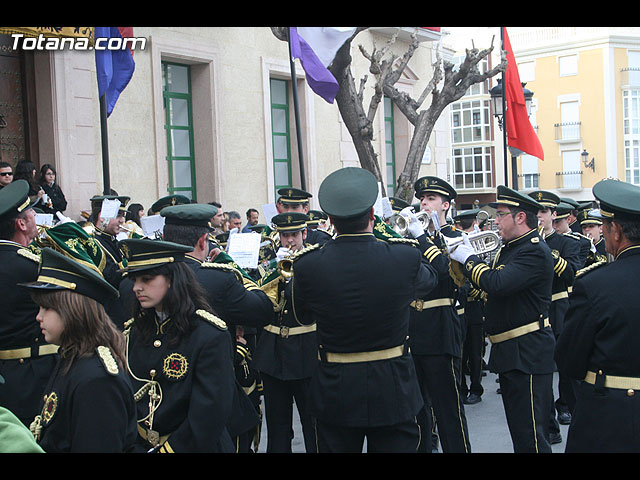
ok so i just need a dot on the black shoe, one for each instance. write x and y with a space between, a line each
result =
564 418
472 399
498 391
555 438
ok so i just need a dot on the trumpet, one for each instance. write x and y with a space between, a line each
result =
285 266
482 242
400 222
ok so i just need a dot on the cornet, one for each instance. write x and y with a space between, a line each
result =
400 222
482 242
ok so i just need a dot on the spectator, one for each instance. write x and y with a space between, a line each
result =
54 200
218 219
6 174
132 220
26 170
235 221
252 219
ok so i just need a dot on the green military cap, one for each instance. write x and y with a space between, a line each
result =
293 195
434 185
513 198
290 221
563 210
546 199
257 228
585 217
570 201
143 254
170 200
466 214
14 199
585 206
397 204
223 238
348 192
61 272
196 214
618 200
315 216
72 240
123 200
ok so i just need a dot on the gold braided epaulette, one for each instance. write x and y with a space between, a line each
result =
212 319
108 361
305 250
30 254
590 268
404 241
223 266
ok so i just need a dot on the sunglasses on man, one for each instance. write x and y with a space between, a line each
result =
4 174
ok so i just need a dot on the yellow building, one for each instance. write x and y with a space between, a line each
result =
585 108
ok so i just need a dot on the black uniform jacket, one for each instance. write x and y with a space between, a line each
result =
438 330
89 409
24 379
197 382
602 333
282 351
518 288
357 289
566 253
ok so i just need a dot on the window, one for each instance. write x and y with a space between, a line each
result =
470 121
179 127
472 167
568 65
529 172
527 71
389 146
632 161
631 123
280 133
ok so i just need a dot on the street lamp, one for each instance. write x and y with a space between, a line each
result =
499 107
585 160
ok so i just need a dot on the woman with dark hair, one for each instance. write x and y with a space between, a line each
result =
179 354
132 222
88 403
54 200
26 170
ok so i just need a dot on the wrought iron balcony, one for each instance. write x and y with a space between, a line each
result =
570 180
567 132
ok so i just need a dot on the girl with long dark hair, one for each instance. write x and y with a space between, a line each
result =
179 354
88 403
54 201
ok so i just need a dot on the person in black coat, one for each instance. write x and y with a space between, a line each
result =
88 403
26 359
179 354
55 201
598 346
518 287
357 290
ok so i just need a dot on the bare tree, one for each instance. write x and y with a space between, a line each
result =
447 85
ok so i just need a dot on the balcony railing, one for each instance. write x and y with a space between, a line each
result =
567 132
571 180
630 77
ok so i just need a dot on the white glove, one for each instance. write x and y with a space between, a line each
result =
415 227
282 253
462 251
62 218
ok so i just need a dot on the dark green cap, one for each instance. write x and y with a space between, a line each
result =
170 200
348 192
290 221
586 206
466 214
196 214
143 254
72 240
563 210
618 199
585 217
14 199
61 272
546 199
123 200
570 201
315 216
513 198
434 185
397 204
293 195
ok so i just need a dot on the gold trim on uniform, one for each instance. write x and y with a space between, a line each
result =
285 331
356 357
18 353
153 261
610 381
107 359
421 305
559 295
518 332
49 408
431 253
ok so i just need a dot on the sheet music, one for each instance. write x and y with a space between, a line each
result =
152 225
244 248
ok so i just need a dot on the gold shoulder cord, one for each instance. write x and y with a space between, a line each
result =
150 387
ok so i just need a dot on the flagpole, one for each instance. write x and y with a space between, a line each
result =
105 146
294 89
504 117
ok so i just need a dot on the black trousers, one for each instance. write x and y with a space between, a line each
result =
399 438
439 377
526 399
472 356
279 396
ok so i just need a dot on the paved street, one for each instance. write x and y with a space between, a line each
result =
486 421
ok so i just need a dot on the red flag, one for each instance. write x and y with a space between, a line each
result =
520 133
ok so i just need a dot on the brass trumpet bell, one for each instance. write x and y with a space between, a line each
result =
400 222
